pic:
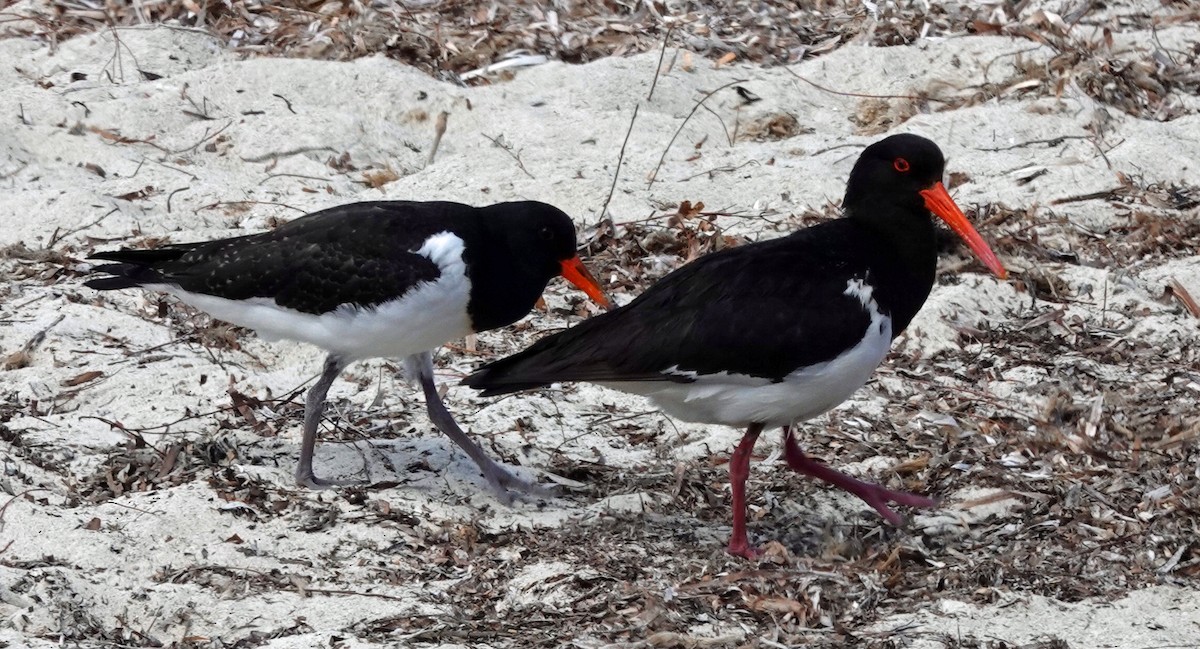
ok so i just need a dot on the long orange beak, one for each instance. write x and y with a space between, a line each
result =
575 272
938 200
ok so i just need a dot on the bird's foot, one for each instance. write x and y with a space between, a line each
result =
878 497
310 481
873 494
742 548
504 484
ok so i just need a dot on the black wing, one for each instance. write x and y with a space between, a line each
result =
359 254
762 310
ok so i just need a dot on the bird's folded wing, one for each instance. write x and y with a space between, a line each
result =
761 314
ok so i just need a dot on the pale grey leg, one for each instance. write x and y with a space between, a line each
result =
497 476
314 404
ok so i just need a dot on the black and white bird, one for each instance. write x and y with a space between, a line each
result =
776 332
390 279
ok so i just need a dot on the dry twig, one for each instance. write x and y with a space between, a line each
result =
654 173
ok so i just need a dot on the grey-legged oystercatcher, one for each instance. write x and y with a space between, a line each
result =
373 279
776 332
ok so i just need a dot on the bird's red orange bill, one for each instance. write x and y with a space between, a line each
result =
575 272
938 200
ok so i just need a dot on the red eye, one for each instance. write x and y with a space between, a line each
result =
900 164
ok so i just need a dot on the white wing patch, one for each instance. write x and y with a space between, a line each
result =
427 316
863 291
738 399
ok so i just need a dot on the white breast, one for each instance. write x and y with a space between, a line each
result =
737 399
427 316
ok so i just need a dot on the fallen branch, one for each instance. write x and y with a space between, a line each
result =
282 175
1185 298
620 158
437 136
862 94
508 149
220 203
263 157
4 507
22 358
1052 142
658 69
1107 194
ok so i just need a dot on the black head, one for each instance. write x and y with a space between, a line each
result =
526 244
541 236
895 185
893 170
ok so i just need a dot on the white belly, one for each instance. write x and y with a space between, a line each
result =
738 399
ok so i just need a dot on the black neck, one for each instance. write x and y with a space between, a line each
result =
905 257
503 289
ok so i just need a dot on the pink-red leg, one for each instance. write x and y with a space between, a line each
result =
874 495
739 470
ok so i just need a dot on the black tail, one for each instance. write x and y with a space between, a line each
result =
581 353
135 267
141 257
558 357
481 381
495 377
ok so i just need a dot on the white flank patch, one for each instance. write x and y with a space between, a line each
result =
738 399
426 317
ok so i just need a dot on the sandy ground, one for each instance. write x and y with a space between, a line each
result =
147 453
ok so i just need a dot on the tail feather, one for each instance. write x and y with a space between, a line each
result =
524 370
567 356
498 377
111 283
133 270
502 388
139 256
583 353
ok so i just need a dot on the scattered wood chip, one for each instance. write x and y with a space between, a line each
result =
1185 298
17 360
82 378
379 178
136 195
687 65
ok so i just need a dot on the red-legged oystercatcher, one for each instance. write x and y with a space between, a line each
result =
374 279
776 332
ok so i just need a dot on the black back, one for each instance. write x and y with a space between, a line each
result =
764 309
761 310
364 254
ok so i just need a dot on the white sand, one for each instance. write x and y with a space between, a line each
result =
566 123
1161 616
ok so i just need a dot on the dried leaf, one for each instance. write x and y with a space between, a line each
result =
379 178
82 378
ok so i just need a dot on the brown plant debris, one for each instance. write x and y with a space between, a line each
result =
643 251
774 126
447 38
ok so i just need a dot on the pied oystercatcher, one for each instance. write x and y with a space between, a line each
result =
373 279
776 332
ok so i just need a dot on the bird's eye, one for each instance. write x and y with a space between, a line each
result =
900 164
546 234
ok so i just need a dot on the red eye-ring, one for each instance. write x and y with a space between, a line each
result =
900 164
